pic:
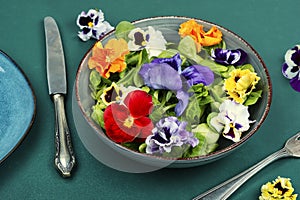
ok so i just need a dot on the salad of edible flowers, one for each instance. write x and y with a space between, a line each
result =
171 99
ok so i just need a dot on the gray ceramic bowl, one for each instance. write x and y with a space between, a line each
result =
94 139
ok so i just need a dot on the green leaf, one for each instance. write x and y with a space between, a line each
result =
157 113
187 47
253 98
207 141
176 152
97 115
132 58
208 120
123 28
217 91
248 66
210 135
198 150
193 112
95 80
215 67
201 93
143 58
142 148
221 45
128 79
169 95
168 53
132 145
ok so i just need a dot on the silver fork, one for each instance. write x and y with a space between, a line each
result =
227 188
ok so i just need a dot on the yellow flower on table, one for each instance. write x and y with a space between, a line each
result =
240 84
110 58
281 188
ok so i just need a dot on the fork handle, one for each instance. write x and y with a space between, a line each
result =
227 188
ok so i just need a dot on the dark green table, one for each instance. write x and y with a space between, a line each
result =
270 26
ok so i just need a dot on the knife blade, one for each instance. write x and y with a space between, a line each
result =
57 86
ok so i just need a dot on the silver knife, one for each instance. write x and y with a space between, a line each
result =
57 85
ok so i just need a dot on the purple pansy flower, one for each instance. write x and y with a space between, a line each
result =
229 57
167 133
183 101
166 73
196 74
175 62
92 25
291 67
160 76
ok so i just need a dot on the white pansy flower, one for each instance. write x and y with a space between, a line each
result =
151 40
232 120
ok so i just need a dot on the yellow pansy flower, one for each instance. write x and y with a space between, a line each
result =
280 188
240 84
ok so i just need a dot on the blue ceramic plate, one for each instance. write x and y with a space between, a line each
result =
17 104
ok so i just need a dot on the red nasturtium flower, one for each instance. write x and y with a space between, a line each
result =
110 58
129 121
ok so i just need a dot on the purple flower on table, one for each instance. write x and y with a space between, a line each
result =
92 25
229 57
291 67
167 133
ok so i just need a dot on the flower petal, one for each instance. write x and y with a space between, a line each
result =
174 62
139 103
183 100
198 74
295 83
114 117
234 57
290 72
292 56
160 76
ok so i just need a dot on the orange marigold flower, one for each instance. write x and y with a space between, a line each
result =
202 38
109 59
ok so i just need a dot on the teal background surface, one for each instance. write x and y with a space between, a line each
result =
270 26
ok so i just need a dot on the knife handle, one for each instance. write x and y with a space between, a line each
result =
64 155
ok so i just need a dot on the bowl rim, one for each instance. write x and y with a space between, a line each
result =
207 157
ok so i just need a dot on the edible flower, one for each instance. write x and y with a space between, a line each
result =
110 94
116 93
196 74
92 25
151 40
280 188
160 76
232 120
202 38
229 57
291 67
166 73
127 122
240 84
109 59
169 132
